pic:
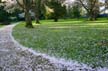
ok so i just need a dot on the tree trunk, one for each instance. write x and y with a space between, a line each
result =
37 18
92 16
95 17
28 19
37 13
35 10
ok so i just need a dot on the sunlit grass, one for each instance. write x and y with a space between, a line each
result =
84 41
1 26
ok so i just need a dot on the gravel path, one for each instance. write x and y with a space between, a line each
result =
16 58
12 58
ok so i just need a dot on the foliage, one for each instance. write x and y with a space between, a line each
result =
59 10
75 11
16 14
47 13
4 16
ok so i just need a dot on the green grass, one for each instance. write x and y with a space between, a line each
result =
80 40
1 26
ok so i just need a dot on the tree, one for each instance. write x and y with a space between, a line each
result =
59 10
26 5
4 15
74 10
37 8
106 4
92 8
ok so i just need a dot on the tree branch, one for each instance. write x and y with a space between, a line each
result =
20 4
84 5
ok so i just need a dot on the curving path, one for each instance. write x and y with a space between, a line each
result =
15 58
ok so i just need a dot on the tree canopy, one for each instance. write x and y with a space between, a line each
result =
54 9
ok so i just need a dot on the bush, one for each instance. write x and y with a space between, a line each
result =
4 16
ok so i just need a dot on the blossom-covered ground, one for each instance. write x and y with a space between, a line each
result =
83 41
15 57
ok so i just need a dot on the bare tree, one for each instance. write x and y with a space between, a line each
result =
92 8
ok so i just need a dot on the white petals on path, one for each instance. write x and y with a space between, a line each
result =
15 57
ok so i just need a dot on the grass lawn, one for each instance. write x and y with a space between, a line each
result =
1 25
80 40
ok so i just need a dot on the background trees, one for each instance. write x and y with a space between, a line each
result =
34 6
106 6
74 10
26 5
4 15
38 7
92 8
59 10
54 9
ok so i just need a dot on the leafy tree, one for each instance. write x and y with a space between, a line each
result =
76 11
37 8
4 15
59 10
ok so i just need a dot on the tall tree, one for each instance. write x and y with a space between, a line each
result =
26 5
59 10
4 15
74 10
92 8
36 8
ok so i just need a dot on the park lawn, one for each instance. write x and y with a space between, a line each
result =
80 40
1 26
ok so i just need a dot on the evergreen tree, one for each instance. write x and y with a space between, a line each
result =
4 16
58 10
